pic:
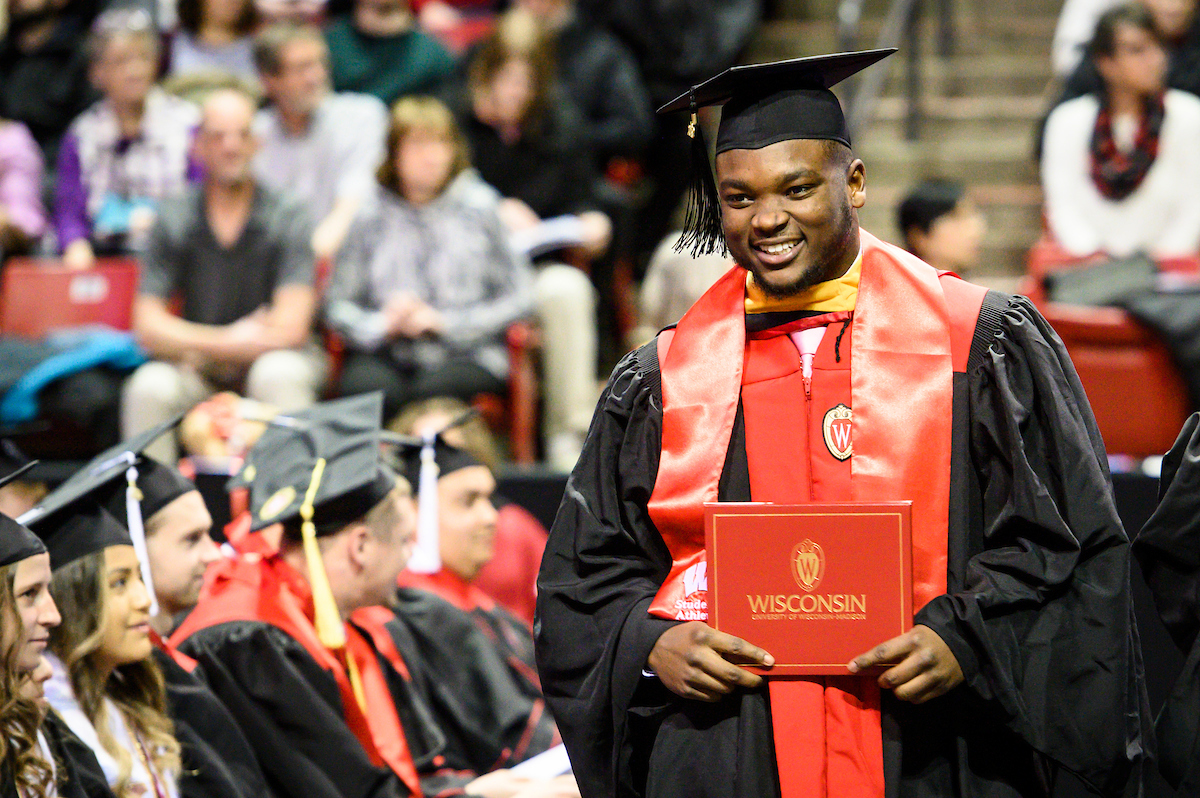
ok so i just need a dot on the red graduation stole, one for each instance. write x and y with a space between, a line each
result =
180 659
266 589
902 397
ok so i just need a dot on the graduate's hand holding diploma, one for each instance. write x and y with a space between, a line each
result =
696 661
927 668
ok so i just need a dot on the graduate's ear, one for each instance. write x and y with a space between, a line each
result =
357 546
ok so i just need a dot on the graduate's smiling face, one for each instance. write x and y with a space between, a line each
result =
125 637
789 211
466 520
36 608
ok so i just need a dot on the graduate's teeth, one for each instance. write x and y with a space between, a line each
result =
776 249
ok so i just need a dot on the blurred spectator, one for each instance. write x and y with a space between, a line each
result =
22 216
1119 167
674 281
44 68
378 49
297 11
601 77
214 36
526 139
235 258
526 143
1076 24
125 153
451 21
677 45
510 576
426 284
1178 27
942 226
320 147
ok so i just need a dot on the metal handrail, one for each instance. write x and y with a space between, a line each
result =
901 28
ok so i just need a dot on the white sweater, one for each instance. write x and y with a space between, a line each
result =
1161 217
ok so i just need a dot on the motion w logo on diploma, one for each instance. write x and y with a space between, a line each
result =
852 563
808 565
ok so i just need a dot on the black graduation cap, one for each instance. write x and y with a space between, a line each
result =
764 104
423 461
129 486
78 529
102 471
17 542
323 466
332 445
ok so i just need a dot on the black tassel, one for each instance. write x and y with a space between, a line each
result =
702 231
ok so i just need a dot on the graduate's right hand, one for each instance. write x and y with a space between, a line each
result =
696 661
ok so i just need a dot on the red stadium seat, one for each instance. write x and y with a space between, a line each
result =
1134 388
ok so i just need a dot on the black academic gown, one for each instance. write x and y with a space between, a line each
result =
1168 549
491 717
218 761
290 709
79 774
1037 610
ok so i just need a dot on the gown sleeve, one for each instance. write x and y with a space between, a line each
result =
1040 616
290 710
1168 550
603 564
489 721
80 775
218 761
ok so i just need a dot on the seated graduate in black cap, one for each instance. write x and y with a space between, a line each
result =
478 656
106 685
39 755
829 366
170 525
1168 550
331 709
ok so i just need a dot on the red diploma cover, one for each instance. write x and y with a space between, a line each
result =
813 584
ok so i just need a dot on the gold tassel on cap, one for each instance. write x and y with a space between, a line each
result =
327 619
331 631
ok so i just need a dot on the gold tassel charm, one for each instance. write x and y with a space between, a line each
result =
692 126
326 618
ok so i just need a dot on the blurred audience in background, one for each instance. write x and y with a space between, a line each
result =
599 75
214 36
22 214
942 225
378 49
427 284
1119 165
674 281
525 139
235 258
319 147
44 68
1178 28
127 152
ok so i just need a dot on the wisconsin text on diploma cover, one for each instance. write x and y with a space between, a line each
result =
808 606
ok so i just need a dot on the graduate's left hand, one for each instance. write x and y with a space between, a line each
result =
927 668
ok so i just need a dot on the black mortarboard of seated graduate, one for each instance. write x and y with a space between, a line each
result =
17 542
762 104
338 444
120 487
323 467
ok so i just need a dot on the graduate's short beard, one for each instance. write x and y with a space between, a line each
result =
829 269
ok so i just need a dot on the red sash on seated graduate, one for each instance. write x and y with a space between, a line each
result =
814 584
